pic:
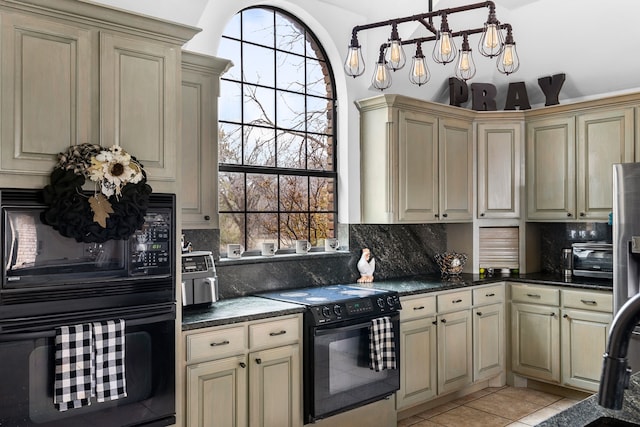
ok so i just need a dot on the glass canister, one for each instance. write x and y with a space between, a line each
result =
567 262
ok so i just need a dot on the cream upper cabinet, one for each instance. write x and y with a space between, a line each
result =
550 169
199 143
76 73
569 163
604 138
499 169
416 161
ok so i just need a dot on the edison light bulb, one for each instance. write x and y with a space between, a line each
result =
381 73
354 61
464 61
395 52
507 58
445 46
491 38
418 69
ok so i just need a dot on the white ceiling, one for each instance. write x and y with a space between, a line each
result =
594 43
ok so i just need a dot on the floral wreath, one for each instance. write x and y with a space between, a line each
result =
118 204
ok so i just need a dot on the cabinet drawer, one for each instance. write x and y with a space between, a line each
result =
488 295
274 333
454 301
535 295
595 301
415 308
216 344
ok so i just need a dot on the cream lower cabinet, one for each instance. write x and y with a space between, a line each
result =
245 375
488 332
559 335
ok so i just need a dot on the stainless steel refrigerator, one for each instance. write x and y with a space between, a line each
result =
626 245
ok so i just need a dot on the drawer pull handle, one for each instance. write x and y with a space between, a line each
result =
456 301
479 313
490 295
533 295
258 361
243 365
215 344
419 308
275 334
589 302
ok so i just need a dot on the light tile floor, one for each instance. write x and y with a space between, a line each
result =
492 407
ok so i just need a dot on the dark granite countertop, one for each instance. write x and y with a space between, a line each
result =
588 410
235 310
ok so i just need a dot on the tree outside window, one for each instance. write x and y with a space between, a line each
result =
277 176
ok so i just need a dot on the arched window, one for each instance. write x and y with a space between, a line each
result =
277 127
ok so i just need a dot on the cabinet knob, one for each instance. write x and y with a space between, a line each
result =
482 214
444 320
565 316
568 213
436 215
258 361
445 215
552 314
435 322
243 365
479 313
207 217
582 214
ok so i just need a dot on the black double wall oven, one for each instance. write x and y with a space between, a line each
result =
50 281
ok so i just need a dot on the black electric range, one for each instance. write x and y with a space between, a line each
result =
339 303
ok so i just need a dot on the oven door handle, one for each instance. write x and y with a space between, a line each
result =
321 331
25 336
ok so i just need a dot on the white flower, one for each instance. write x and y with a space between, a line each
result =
114 169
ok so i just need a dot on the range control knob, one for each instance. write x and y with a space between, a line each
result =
391 301
380 303
326 312
337 310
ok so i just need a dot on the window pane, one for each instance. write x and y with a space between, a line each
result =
233 27
259 146
294 226
313 50
294 194
318 80
321 228
230 102
290 72
261 228
230 49
290 110
229 143
257 26
320 152
291 150
231 230
289 35
259 106
258 65
321 197
262 192
319 115
231 191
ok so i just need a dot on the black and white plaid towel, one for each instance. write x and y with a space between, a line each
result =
74 372
109 347
382 352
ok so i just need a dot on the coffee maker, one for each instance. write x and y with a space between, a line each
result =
199 279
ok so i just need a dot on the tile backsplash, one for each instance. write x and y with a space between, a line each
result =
556 236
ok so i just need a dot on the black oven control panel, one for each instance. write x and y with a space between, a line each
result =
356 308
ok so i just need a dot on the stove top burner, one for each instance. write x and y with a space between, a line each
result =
339 302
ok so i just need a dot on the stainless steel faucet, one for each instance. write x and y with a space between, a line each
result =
615 371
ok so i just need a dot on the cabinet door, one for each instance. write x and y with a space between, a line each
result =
456 170
604 138
275 388
499 158
417 167
584 341
46 94
139 82
217 393
454 351
535 341
418 362
488 341
550 169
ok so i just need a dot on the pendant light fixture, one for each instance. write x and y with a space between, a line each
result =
492 44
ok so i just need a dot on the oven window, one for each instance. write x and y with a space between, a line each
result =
349 364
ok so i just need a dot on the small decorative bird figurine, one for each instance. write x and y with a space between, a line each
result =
366 266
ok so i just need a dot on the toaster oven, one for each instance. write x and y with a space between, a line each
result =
593 259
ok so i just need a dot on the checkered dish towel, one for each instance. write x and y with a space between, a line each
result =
109 348
74 367
382 352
